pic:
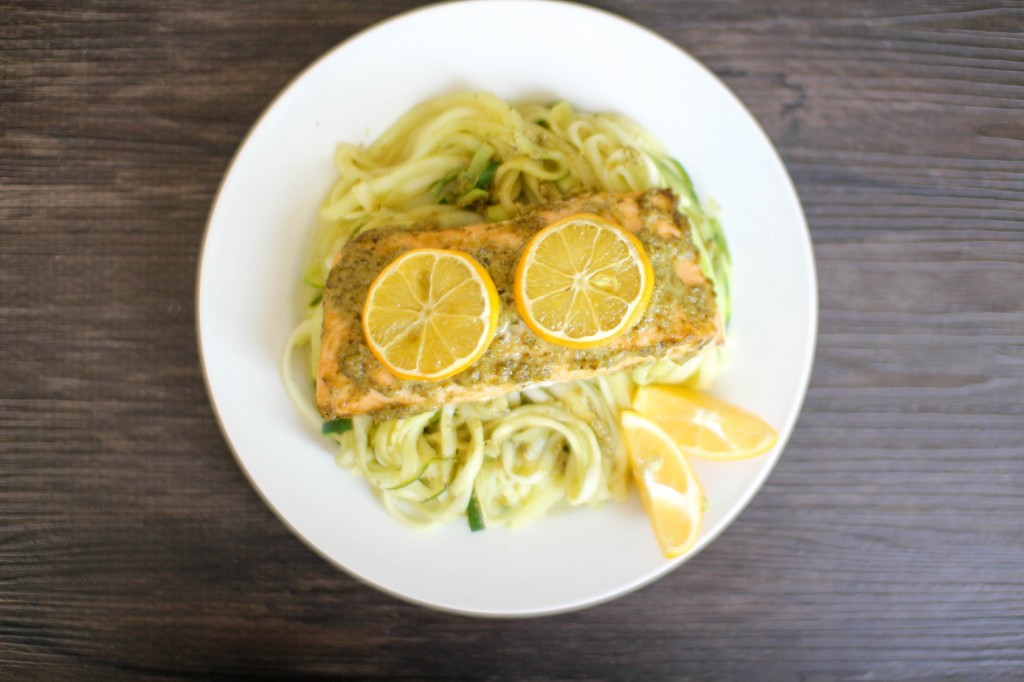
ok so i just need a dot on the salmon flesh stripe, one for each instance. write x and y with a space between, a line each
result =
681 319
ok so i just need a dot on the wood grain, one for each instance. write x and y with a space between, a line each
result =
887 545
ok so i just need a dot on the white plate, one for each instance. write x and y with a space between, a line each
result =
265 211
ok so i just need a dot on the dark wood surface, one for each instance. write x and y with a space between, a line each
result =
887 545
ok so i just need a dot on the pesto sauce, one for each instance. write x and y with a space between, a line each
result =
516 356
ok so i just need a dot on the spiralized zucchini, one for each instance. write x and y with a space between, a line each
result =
471 158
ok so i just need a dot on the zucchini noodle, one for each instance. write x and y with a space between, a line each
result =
471 158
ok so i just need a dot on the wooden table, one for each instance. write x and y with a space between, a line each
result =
887 545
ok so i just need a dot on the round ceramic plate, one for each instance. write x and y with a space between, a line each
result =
264 214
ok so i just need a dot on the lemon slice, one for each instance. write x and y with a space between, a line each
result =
671 494
583 281
704 426
430 314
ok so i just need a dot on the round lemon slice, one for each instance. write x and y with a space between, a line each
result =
671 494
430 314
704 426
583 281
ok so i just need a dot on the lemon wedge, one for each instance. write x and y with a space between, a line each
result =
430 314
583 281
704 426
671 494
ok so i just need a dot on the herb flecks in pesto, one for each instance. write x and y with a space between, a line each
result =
679 319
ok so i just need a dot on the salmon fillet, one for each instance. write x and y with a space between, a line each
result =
681 319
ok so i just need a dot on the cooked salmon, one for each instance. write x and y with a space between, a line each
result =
681 319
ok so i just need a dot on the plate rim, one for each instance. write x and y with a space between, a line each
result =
786 430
